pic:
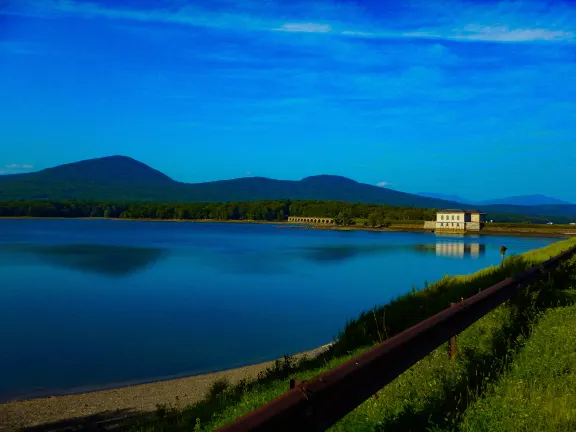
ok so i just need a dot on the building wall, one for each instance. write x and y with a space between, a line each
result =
450 217
451 225
473 226
454 221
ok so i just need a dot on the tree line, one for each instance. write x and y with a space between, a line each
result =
344 213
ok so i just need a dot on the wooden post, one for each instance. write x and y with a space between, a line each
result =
294 383
452 348
452 340
503 250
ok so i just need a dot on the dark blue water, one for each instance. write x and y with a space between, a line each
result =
92 304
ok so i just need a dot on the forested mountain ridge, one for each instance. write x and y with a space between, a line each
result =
120 178
123 179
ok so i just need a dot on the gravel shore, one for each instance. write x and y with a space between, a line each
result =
116 405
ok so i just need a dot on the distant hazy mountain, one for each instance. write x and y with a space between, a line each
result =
525 200
445 197
522 200
120 178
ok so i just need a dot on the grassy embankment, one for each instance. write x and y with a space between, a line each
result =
538 393
436 393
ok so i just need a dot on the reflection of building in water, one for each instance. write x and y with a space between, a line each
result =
458 249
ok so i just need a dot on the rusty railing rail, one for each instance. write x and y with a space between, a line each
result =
318 403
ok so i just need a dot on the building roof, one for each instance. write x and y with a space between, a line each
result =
459 211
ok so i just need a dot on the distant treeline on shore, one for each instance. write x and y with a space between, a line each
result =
344 213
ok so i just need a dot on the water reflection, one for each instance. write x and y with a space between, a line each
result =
454 249
344 252
106 260
331 254
460 250
244 263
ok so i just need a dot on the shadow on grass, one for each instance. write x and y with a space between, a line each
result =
105 421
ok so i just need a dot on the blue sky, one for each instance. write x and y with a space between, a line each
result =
469 98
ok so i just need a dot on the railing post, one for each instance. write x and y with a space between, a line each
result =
452 348
452 340
295 383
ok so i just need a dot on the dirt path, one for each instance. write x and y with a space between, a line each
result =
121 404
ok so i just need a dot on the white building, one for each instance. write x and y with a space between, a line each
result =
459 220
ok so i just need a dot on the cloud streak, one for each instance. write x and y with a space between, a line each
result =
457 20
19 166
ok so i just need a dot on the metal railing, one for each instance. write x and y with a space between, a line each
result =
318 403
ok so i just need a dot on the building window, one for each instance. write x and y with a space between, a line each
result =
452 217
442 217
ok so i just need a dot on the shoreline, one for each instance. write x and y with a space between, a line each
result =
124 402
520 232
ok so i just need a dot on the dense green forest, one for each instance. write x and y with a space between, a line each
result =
344 213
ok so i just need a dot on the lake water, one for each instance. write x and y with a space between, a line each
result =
93 304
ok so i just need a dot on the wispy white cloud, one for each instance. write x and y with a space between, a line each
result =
305 28
502 22
496 34
19 166
383 184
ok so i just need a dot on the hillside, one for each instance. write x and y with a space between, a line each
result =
120 178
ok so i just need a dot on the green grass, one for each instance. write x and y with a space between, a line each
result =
392 222
539 391
419 223
433 392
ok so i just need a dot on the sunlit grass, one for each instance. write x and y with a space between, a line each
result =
539 391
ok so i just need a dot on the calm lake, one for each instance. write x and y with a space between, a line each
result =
94 304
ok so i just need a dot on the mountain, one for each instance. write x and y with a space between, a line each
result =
525 200
522 200
120 178
445 197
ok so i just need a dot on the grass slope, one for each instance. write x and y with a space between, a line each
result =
539 391
435 391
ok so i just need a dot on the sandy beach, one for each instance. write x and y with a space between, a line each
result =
125 404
